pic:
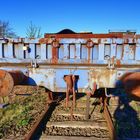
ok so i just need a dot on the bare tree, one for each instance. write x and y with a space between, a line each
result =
33 31
6 30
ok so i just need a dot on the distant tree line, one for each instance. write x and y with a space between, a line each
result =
32 31
6 30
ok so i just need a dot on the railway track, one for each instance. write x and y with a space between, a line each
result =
55 121
59 122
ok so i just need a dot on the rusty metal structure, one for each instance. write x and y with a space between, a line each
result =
8 79
71 82
98 59
73 62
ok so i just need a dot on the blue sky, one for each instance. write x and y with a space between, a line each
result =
97 16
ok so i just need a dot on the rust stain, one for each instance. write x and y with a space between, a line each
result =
118 63
43 41
102 77
133 47
89 43
99 40
55 43
122 51
86 36
2 73
126 40
54 55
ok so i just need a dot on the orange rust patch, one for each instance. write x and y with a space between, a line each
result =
54 55
118 63
43 41
86 36
2 73
6 83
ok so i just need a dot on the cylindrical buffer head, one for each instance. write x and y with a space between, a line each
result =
131 83
7 81
17 76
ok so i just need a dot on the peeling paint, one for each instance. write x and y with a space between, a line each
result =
95 58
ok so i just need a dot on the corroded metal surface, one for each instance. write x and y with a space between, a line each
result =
82 47
6 83
96 58
99 60
131 84
17 76
107 115
110 124
8 80
71 81
103 77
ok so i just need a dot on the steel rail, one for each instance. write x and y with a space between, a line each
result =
109 121
35 126
45 113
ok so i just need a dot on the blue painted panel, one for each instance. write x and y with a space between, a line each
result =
137 54
84 52
1 50
95 52
43 51
6 51
10 50
107 50
119 51
42 77
49 48
32 51
38 51
78 47
66 51
113 50
83 76
61 52
101 51
72 51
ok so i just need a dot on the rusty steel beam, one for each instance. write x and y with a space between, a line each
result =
7 81
86 36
